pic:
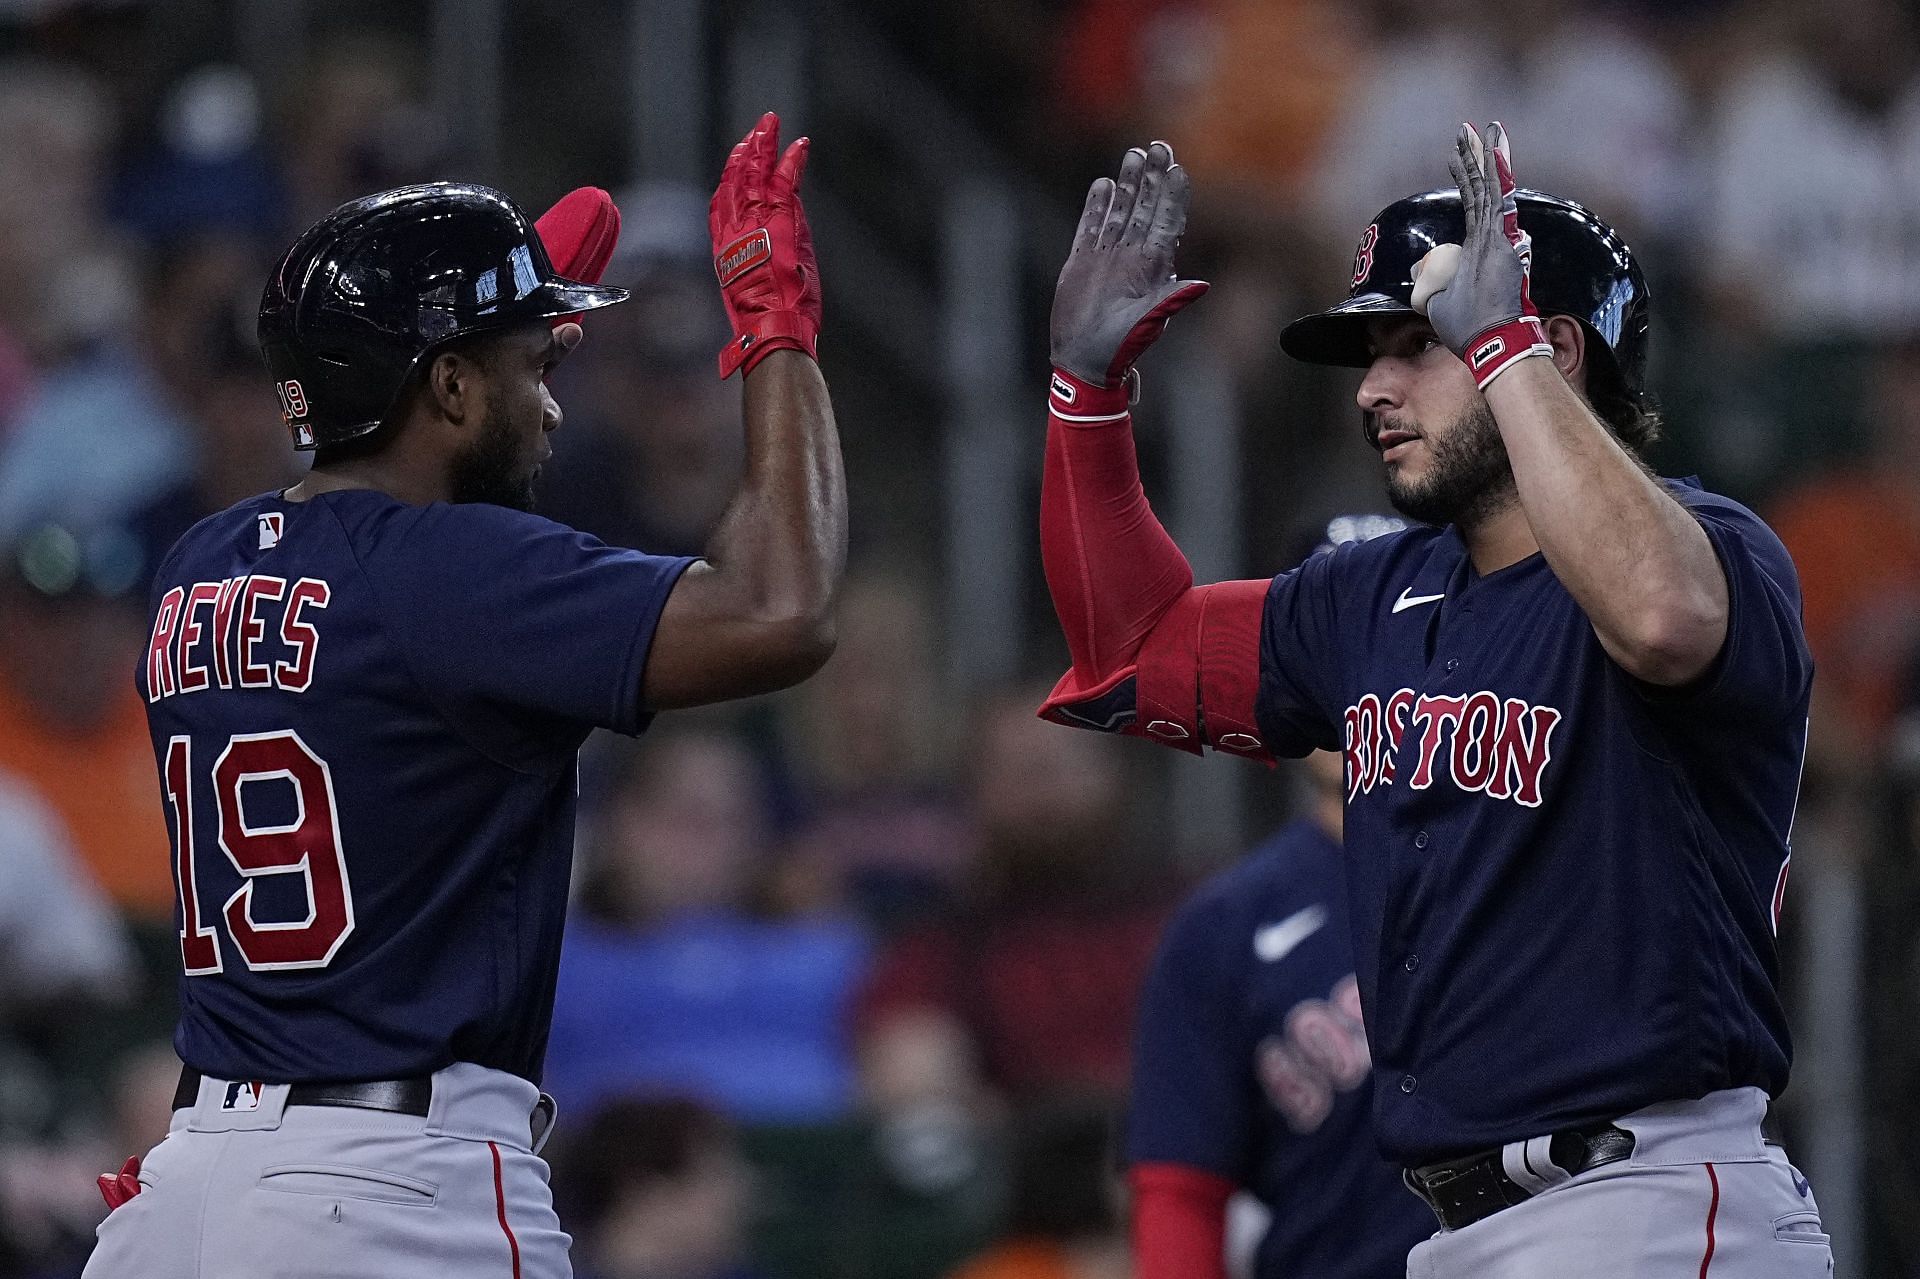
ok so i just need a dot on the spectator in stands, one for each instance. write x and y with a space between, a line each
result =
354 120
1027 987
211 168
1599 113
686 970
59 938
64 962
85 432
1064 1217
57 266
1807 263
1855 535
1201 71
866 738
1822 244
653 1189
204 297
72 728
654 448
174 420
49 1199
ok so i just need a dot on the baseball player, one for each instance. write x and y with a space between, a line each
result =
1572 710
367 693
1250 1071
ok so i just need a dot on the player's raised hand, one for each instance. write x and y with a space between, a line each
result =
1475 293
763 249
1118 288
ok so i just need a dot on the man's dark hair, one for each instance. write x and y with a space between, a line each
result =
1632 416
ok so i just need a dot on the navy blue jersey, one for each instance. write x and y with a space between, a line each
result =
366 716
1251 1064
1565 882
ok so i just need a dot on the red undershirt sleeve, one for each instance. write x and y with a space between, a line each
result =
1153 655
1179 1222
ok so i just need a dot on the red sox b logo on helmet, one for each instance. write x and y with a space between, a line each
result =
1363 255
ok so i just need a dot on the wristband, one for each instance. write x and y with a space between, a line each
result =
1073 399
1494 350
772 331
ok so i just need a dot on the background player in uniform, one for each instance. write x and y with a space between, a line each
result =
1251 1072
1573 712
367 694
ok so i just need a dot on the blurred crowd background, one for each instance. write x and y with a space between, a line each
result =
848 992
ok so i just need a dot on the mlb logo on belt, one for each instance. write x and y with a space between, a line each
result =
242 1094
271 524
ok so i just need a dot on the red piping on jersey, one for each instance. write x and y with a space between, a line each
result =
513 1245
1713 1210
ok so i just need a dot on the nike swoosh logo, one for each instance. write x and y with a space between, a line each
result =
1275 940
1407 601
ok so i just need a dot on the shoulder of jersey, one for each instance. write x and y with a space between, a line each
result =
1690 495
1727 512
1374 552
482 525
214 529
1365 576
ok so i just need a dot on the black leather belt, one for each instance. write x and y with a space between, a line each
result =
1463 1191
397 1096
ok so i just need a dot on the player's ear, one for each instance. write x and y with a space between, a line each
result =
453 384
1569 347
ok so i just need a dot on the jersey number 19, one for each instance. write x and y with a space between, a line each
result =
309 846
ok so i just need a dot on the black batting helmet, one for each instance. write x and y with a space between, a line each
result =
1581 268
382 281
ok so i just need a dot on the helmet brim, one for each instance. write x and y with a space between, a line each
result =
566 297
1338 335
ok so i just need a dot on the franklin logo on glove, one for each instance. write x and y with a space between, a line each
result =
742 256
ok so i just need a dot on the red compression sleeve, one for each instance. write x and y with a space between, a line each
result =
1179 1222
1112 570
1125 596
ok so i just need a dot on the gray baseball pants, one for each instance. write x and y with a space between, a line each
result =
246 1187
1703 1196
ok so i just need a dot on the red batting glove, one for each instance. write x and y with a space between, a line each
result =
117 1188
763 250
580 233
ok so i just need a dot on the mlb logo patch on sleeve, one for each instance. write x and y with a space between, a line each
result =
271 525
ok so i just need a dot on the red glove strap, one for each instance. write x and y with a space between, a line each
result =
772 331
1493 351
